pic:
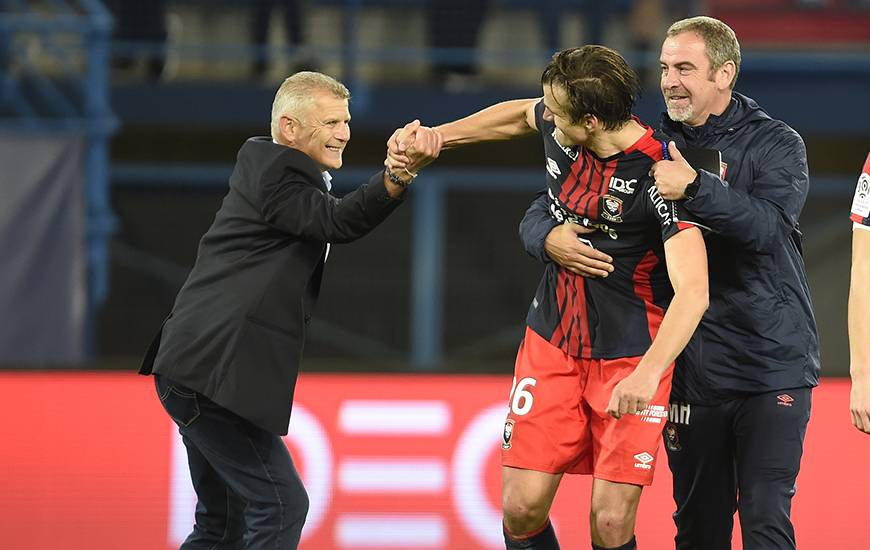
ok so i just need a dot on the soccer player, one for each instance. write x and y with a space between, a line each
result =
859 303
593 373
742 389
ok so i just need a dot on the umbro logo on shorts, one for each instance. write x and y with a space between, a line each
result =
784 399
643 460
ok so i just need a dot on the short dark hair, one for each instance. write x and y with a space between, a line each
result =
598 81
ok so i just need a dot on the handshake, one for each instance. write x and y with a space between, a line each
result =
410 148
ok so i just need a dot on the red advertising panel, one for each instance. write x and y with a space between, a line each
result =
91 461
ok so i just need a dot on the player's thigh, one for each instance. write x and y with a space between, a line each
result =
547 426
626 448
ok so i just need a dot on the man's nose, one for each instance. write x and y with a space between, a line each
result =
343 132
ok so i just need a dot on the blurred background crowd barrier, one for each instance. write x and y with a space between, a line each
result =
119 123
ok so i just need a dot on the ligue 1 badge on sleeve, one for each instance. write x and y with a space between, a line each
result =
861 201
507 434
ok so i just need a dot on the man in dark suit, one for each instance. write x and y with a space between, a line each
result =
227 357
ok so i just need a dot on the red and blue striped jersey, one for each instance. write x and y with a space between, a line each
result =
618 315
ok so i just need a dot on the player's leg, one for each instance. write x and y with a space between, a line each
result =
526 499
700 446
625 451
613 514
770 429
545 434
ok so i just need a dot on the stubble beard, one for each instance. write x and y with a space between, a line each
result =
680 114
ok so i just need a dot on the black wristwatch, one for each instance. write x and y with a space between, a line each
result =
692 188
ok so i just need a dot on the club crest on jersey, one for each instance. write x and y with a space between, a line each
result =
611 208
507 435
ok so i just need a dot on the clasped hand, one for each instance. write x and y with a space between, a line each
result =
412 147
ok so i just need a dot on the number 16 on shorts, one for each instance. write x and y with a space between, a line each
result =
521 398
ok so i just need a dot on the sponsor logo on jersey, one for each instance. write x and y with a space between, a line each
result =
643 460
507 435
672 440
563 215
570 153
622 186
611 208
660 205
784 399
553 169
680 413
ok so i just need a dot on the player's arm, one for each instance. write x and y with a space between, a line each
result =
547 240
686 259
859 329
499 122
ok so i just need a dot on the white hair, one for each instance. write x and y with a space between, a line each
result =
295 97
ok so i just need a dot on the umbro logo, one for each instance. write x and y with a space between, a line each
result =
644 457
553 169
784 399
643 460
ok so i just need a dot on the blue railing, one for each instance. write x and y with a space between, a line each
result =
428 226
64 90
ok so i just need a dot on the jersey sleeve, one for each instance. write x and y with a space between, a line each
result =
539 115
861 201
671 216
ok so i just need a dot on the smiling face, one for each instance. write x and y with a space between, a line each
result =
322 132
691 88
568 134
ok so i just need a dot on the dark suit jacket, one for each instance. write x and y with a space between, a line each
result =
238 325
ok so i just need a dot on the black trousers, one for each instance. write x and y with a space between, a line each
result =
743 455
249 494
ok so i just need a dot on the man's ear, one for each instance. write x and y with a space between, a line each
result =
591 123
725 75
289 129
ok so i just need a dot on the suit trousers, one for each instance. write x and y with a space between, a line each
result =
742 455
249 494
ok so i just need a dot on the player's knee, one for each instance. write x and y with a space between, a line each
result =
613 522
759 506
522 513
